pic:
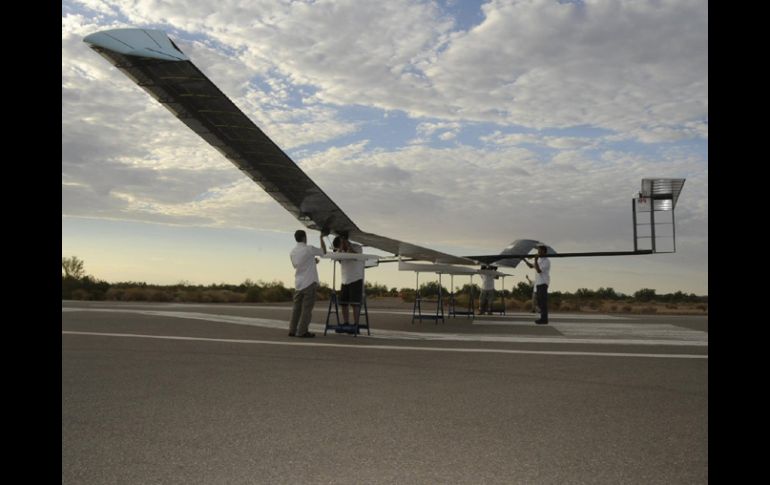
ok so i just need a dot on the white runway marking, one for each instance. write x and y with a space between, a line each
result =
573 333
484 319
391 347
395 334
617 330
644 330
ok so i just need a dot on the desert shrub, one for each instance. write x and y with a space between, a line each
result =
115 294
461 302
522 290
645 294
567 306
431 289
253 294
214 296
407 295
80 294
607 294
585 293
374 289
276 293
514 304
233 297
135 294
159 295
195 296
627 308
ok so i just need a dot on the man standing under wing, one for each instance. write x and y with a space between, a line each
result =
543 279
487 292
352 271
305 283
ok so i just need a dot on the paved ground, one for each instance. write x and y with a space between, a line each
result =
183 393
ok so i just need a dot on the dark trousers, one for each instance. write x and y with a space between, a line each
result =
542 301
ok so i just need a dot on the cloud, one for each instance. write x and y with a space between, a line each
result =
636 67
616 65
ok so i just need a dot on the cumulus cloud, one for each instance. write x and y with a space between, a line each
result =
637 67
616 65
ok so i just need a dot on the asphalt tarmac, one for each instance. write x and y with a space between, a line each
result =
219 394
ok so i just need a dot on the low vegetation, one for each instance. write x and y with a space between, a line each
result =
77 285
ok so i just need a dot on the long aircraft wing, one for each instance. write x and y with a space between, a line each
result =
157 65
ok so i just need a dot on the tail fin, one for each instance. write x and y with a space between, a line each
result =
520 246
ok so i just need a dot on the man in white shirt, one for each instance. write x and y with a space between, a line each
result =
543 279
487 292
352 276
305 283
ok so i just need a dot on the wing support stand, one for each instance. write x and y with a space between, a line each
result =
333 301
452 310
355 328
417 307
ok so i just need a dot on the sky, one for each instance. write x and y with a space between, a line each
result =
456 125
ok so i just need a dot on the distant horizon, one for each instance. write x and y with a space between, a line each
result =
264 266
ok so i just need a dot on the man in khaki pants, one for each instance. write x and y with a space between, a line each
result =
305 283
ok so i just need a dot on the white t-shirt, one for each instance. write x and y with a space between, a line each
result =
352 269
544 277
303 260
487 282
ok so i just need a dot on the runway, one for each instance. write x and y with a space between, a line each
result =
185 393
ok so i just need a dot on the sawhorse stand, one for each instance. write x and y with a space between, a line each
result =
417 308
332 301
355 328
453 312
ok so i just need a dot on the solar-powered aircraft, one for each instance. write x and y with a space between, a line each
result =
152 60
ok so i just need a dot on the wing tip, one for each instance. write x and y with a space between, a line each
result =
154 44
